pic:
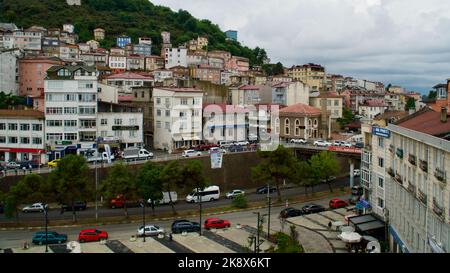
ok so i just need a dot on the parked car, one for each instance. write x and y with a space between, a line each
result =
265 189
234 193
225 143
119 202
337 143
312 208
205 147
53 163
290 212
357 190
36 207
28 164
150 230
166 198
52 238
77 205
191 153
356 172
354 199
322 143
359 145
92 235
298 141
210 193
346 144
241 143
337 203
216 223
214 149
12 165
236 148
188 226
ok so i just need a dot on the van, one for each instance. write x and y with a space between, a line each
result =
210 193
166 198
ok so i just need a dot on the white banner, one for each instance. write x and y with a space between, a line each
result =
216 159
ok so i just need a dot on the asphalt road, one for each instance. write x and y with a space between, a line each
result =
15 238
181 205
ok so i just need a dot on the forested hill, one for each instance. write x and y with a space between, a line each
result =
135 18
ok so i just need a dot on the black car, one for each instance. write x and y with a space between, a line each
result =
290 212
264 189
357 190
77 205
312 208
359 145
28 164
180 226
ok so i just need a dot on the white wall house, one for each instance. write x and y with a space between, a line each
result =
22 136
177 118
126 126
9 81
224 122
175 57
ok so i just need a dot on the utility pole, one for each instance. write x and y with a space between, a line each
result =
200 199
46 227
143 217
257 233
268 219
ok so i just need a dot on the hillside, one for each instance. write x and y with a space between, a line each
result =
132 17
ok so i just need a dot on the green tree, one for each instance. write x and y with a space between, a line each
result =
150 184
120 181
323 166
432 95
410 104
192 175
171 178
69 181
347 117
301 174
275 167
288 243
240 202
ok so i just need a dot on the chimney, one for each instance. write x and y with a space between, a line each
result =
443 114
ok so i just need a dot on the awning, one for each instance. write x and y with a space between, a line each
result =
177 138
366 223
190 137
370 226
363 204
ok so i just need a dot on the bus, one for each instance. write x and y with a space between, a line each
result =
210 193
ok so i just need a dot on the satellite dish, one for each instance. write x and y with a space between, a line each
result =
373 247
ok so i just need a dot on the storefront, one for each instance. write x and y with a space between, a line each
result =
22 154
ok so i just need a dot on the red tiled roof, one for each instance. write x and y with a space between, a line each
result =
302 109
426 121
249 87
20 114
329 95
125 98
128 75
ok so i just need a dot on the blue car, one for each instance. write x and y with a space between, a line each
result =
52 238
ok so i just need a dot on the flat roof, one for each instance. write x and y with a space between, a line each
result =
370 226
362 219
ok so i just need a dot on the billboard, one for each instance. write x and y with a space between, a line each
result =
216 159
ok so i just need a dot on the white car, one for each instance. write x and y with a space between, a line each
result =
356 172
150 230
189 153
213 149
338 143
234 193
241 143
36 207
322 143
298 141
12 165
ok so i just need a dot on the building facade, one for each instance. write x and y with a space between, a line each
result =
175 57
9 71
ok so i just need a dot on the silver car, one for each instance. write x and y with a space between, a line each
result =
150 230
36 207
234 193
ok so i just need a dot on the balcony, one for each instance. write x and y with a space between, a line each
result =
399 153
422 196
411 188
423 165
391 148
390 171
412 159
398 178
438 209
440 175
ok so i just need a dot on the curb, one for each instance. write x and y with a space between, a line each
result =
309 199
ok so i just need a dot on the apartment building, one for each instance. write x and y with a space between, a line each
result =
175 57
311 74
178 118
9 71
404 171
22 136
224 122
290 93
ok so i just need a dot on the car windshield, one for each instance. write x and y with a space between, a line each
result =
97 231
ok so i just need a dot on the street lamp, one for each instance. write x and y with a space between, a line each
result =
257 233
200 203
143 218
46 226
269 199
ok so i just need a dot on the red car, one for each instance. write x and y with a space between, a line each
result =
337 203
205 147
92 235
216 223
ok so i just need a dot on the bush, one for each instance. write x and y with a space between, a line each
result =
240 202
286 243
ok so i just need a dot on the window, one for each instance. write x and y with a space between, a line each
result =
380 142
158 124
70 136
12 126
25 140
167 113
87 110
70 123
158 112
54 123
12 139
86 97
70 110
132 133
277 126
54 110
118 133
37 140
196 101
71 97
88 123
380 182
380 203
380 162
117 121
158 100
336 103
104 121
133 121
37 127
63 73
184 101
286 126
24 127
2 126
167 125
297 127
2 139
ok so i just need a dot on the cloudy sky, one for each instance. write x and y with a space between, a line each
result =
404 42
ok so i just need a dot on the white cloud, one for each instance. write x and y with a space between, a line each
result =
405 42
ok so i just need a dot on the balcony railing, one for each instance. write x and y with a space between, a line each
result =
423 165
422 196
440 175
412 159
399 153
390 171
411 188
438 208
391 148
398 178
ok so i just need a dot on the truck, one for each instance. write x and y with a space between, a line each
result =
120 201
166 198
93 155
136 154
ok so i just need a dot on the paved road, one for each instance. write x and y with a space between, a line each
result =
14 238
181 205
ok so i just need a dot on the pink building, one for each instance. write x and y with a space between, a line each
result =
205 73
32 73
238 64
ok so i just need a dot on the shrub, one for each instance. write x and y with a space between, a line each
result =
240 201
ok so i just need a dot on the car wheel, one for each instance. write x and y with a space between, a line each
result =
82 241
102 239
212 199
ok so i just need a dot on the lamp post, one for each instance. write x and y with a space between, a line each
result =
200 199
269 199
46 226
143 218
257 233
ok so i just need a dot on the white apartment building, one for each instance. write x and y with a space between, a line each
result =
175 57
27 40
71 105
117 62
22 136
370 109
290 93
122 123
224 122
161 74
126 80
9 70
404 171
177 118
